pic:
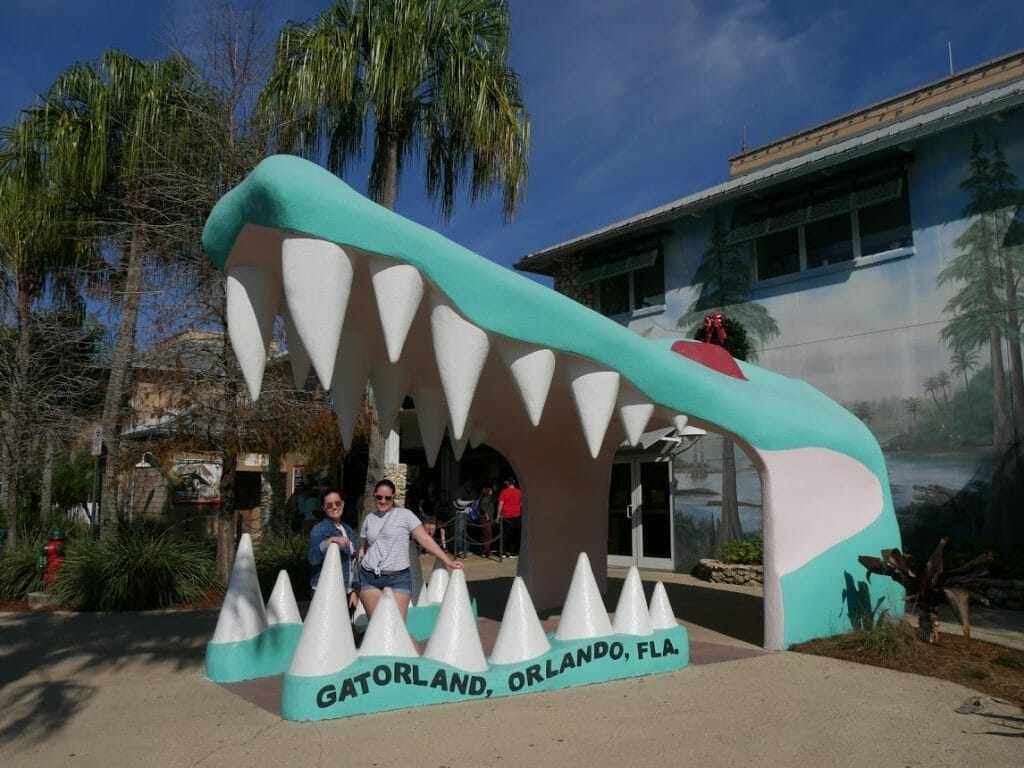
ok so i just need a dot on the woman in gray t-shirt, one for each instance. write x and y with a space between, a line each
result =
384 552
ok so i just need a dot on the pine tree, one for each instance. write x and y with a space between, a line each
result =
978 306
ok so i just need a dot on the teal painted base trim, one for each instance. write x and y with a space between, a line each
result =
831 594
269 653
378 683
420 619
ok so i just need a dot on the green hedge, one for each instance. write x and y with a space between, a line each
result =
744 551
289 553
19 569
136 568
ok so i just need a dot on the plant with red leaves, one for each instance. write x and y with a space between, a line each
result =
933 585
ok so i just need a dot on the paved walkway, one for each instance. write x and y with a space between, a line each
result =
128 690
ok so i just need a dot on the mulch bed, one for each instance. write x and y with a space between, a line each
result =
985 667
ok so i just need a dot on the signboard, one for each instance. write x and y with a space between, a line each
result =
195 482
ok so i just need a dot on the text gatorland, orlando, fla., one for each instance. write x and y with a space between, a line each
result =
409 673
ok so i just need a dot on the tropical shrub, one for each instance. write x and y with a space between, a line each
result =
19 569
743 551
932 585
137 568
288 552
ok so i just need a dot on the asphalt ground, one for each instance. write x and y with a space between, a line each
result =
128 689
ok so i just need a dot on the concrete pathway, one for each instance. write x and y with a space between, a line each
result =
129 690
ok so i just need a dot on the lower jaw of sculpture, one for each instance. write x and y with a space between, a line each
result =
377 684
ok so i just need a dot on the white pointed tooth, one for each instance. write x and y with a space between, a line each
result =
399 290
430 412
532 370
252 297
594 392
386 634
458 446
635 412
242 614
461 350
631 614
281 607
349 383
583 614
477 436
455 639
296 353
326 644
317 278
680 422
661 610
390 385
438 583
521 635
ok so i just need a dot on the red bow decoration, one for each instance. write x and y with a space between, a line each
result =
713 325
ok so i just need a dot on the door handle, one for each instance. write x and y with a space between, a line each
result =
629 511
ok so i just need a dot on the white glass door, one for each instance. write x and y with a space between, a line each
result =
640 514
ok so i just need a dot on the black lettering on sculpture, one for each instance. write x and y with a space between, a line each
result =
516 681
348 689
459 683
382 674
440 680
326 696
402 672
533 674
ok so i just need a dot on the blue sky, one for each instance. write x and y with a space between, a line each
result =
634 103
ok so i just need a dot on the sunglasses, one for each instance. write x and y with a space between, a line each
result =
378 497
334 505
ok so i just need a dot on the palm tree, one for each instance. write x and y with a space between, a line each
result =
113 127
426 77
964 362
723 277
931 386
944 386
41 244
913 406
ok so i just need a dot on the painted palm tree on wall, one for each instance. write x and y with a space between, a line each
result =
986 274
964 362
722 281
913 407
427 78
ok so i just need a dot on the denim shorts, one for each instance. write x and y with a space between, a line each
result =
399 582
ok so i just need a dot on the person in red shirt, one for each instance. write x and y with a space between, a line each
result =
510 510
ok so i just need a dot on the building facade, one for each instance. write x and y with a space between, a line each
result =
877 256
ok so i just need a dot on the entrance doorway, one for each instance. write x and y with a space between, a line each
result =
640 513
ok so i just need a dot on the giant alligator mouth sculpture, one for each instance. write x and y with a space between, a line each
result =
493 357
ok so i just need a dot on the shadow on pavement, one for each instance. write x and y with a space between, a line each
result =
42 654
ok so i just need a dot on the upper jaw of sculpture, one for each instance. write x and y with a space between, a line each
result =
367 294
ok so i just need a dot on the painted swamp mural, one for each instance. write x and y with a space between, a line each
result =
911 319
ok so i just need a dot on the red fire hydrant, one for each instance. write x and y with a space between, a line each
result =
52 556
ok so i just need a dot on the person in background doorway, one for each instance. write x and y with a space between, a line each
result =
427 512
510 512
331 530
486 518
464 498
